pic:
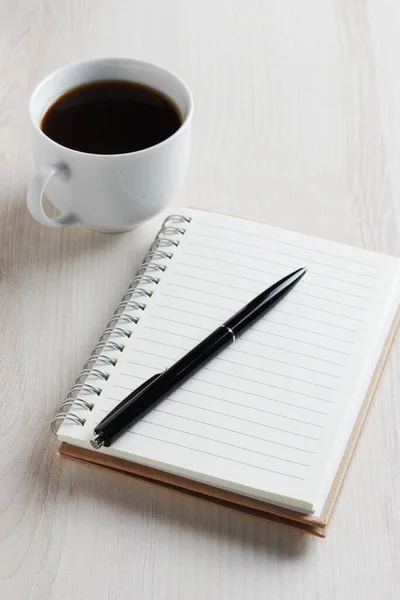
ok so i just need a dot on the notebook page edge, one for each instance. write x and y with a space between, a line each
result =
304 235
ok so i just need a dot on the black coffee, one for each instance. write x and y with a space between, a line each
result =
111 117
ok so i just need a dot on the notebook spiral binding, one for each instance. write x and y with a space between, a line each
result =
162 248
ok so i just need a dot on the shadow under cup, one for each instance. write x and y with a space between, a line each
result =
115 192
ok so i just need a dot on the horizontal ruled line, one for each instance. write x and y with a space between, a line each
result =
230 349
253 235
336 326
330 337
332 301
257 281
245 366
219 441
328 312
241 304
276 310
244 339
189 312
214 237
150 437
229 262
260 330
278 387
217 456
225 429
218 271
262 410
294 291
241 419
226 387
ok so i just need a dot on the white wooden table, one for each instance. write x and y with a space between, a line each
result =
297 123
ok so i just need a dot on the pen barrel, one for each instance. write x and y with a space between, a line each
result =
263 303
152 391
137 404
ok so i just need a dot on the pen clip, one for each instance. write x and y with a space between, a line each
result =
136 391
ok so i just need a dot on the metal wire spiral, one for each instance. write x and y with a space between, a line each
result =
99 365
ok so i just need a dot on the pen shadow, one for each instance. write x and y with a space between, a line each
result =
209 523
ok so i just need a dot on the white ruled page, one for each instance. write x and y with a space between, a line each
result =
270 416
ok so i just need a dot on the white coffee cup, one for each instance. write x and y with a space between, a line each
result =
115 192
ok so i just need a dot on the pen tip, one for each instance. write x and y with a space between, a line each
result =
305 268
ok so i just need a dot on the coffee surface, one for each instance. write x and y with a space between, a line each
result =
111 117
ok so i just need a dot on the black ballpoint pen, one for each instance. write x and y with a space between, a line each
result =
152 391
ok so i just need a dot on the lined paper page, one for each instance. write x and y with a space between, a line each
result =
270 415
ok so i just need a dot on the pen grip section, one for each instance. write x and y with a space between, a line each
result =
139 402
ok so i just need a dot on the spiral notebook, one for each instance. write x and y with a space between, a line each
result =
269 425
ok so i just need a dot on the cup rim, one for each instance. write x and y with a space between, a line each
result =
89 61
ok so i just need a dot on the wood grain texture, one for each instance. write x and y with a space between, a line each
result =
298 124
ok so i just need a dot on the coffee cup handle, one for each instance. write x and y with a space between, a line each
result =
36 190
